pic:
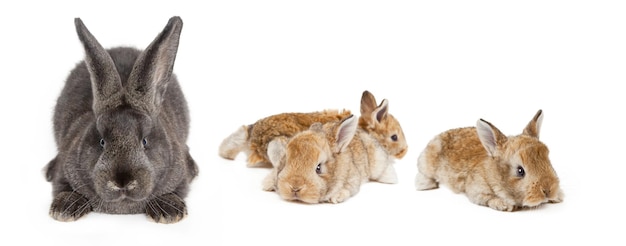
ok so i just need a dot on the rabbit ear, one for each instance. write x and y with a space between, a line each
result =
372 114
276 150
380 113
490 137
152 71
344 133
105 80
368 103
532 129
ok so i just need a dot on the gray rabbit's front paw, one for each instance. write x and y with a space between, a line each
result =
69 206
167 209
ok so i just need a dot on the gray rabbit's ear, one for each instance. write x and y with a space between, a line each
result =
152 71
105 80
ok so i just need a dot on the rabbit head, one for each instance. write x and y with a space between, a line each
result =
311 165
380 124
522 162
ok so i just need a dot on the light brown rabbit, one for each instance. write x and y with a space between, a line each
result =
328 163
504 173
254 139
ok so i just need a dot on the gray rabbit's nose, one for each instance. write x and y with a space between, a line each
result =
115 187
122 181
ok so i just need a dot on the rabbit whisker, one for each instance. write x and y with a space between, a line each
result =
156 208
169 203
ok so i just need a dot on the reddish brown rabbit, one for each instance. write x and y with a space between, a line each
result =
253 139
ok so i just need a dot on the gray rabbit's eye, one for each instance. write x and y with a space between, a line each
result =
102 142
394 137
318 169
144 141
520 172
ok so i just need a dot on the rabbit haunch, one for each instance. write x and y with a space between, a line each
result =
504 173
327 163
121 125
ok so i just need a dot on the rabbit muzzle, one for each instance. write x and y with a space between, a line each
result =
297 190
120 180
542 191
401 153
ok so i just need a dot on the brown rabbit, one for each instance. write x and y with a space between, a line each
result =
504 173
328 163
254 139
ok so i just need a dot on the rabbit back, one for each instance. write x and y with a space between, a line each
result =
287 125
451 157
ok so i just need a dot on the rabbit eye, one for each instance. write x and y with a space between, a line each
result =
102 142
520 172
144 142
394 137
318 169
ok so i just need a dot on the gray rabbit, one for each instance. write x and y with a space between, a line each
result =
121 125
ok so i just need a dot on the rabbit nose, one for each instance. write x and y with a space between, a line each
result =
295 189
122 181
114 186
401 154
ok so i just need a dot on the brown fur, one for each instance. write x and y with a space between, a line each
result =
287 125
346 156
482 162
254 139
376 121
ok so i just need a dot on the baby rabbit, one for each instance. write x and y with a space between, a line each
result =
254 139
504 173
121 125
328 163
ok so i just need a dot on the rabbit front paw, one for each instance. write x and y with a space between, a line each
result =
339 196
166 209
269 183
501 205
69 206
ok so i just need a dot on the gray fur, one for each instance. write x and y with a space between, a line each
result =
118 98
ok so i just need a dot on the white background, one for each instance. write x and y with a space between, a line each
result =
441 65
